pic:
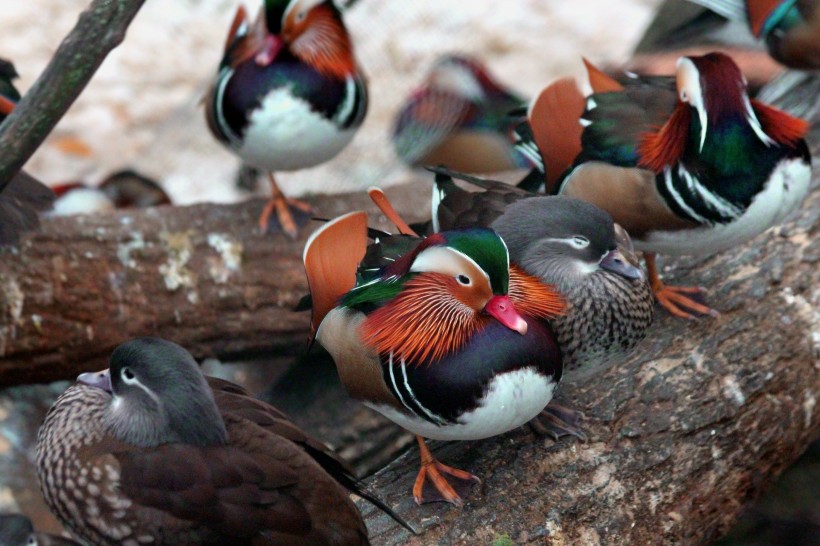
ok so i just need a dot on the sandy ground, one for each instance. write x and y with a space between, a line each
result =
142 109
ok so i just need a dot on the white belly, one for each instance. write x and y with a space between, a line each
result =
512 400
783 194
285 135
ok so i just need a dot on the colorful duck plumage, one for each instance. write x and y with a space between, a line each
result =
289 94
460 118
436 338
687 165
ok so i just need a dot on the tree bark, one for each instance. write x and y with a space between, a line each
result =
202 276
99 29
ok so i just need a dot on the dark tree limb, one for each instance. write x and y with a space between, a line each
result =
202 276
99 29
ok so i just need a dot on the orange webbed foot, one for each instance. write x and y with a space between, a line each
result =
433 486
674 298
284 219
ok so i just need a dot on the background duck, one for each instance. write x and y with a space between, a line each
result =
289 94
460 117
24 196
687 165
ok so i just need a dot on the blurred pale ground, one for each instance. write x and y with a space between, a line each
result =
142 110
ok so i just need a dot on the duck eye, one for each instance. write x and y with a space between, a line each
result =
300 16
579 242
463 279
683 96
127 375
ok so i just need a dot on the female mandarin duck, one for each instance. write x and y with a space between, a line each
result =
24 196
445 340
460 118
289 94
689 165
150 451
570 244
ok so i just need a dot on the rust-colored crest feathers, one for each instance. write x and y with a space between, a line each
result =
322 42
423 323
554 117
779 125
666 146
332 255
532 297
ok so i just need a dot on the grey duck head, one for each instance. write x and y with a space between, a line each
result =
158 396
563 240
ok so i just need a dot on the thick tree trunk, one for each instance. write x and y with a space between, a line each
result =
202 276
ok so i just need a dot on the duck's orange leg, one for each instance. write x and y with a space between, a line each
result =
281 204
443 488
674 298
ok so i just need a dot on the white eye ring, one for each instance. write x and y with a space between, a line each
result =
464 279
128 376
579 242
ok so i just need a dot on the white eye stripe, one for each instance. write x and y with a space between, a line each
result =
133 381
576 241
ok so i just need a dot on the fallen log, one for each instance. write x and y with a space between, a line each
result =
202 276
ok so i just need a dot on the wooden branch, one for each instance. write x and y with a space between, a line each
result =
202 276
99 29
680 436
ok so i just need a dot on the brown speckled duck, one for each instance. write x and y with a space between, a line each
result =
151 452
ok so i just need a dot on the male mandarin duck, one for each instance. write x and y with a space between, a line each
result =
150 451
123 189
570 244
288 94
687 165
459 118
445 339
24 196
791 28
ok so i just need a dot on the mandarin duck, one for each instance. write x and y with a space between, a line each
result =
459 117
123 189
444 339
288 94
791 28
152 451
17 530
688 165
24 196
570 244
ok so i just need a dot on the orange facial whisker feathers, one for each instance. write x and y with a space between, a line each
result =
779 125
666 146
325 44
424 323
533 298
